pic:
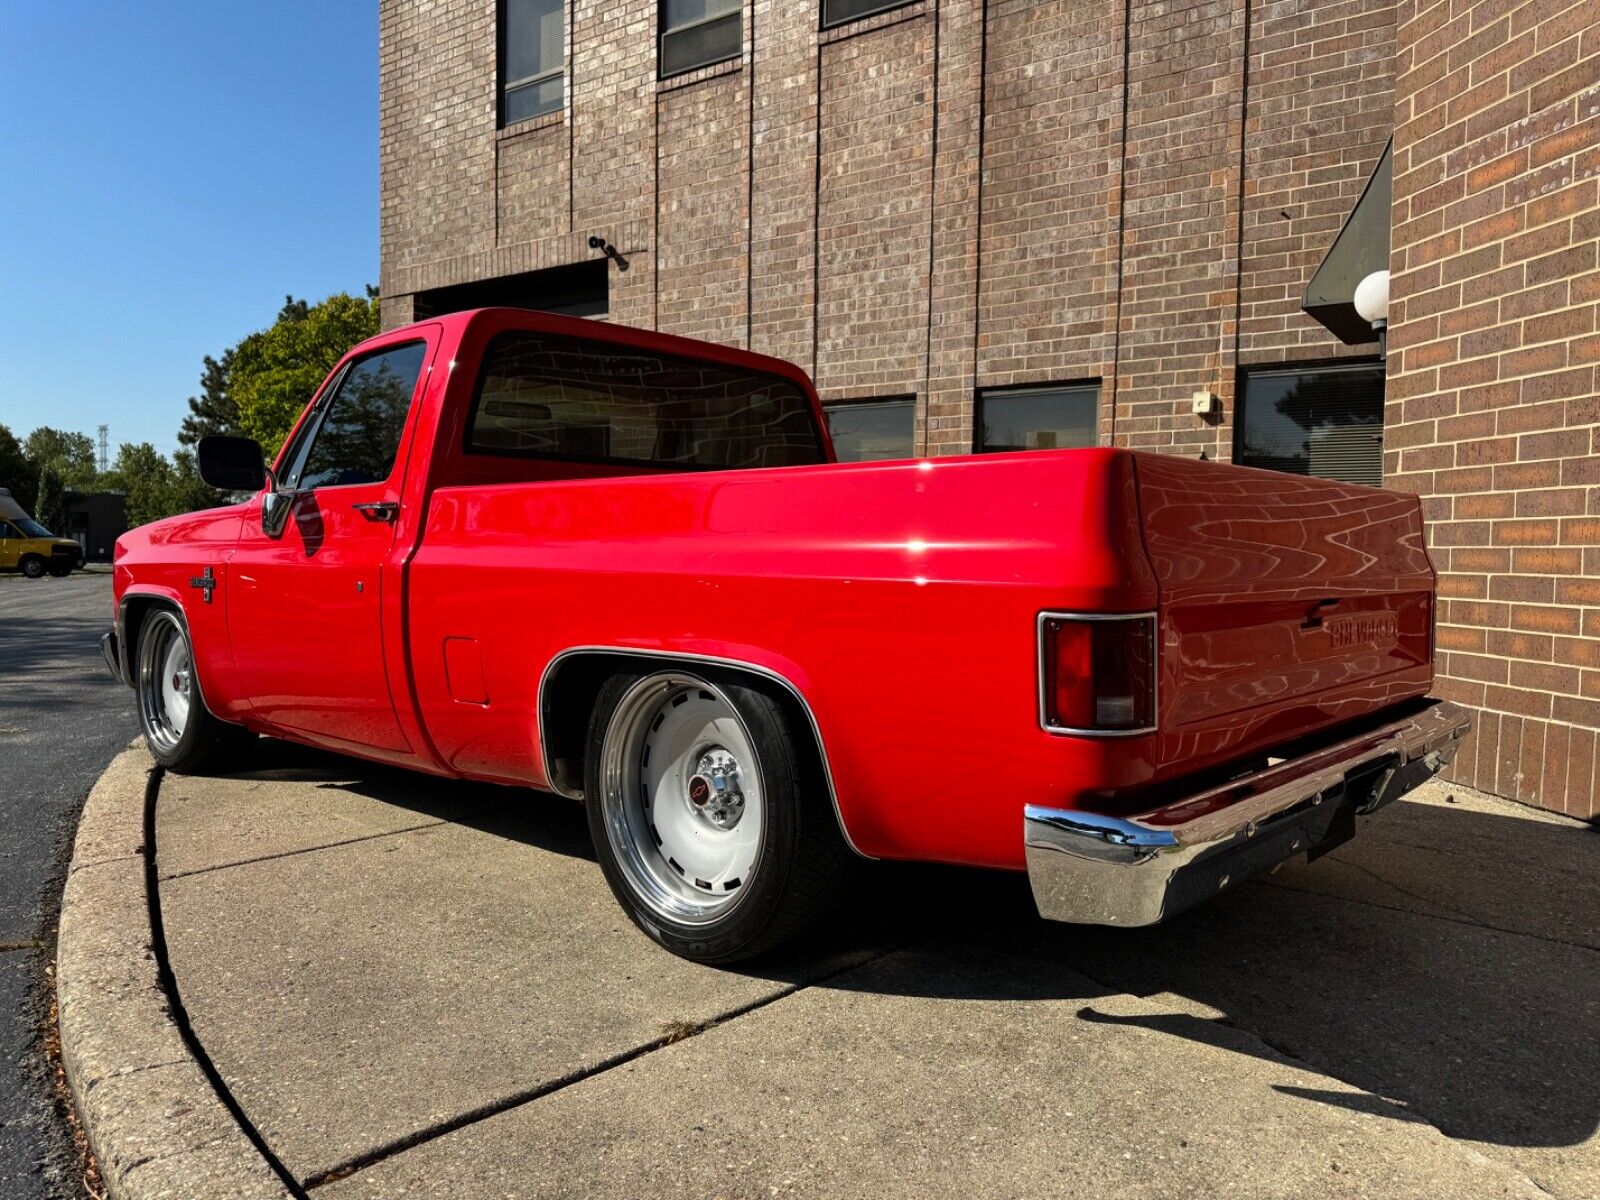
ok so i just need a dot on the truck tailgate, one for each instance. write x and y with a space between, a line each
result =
1287 604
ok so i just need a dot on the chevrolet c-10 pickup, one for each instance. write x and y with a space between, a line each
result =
625 567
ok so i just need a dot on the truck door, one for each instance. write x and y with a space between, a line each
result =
10 547
305 611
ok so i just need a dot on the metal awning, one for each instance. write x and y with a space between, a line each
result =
1361 248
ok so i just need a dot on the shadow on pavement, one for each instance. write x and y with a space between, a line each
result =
1454 970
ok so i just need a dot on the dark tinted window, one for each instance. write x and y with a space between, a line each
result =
871 432
836 12
533 37
551 397
697 33
360 428
1325 421
1037 418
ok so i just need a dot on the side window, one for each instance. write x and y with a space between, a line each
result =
358 434
6 531
533 44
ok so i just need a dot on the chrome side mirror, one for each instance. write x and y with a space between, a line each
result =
275 506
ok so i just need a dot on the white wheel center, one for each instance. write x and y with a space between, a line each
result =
687 813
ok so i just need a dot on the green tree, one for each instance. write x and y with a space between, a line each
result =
17 471
69 455
145 477
213 410
275 372
50 505
190 493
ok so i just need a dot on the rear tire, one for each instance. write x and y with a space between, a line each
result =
180 731
33 566
709 815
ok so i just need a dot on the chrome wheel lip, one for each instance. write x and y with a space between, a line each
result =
626 817
166 684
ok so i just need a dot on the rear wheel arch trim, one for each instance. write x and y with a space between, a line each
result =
679 657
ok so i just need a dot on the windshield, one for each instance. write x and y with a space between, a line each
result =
32 528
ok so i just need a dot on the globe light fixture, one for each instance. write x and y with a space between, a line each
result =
1372 305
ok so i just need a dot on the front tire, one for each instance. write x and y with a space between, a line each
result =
180 731
33 567
708 815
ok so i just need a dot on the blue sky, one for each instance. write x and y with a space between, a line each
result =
168 172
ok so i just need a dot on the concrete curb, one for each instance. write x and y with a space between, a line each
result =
156 1123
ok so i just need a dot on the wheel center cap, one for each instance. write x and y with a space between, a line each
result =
713 790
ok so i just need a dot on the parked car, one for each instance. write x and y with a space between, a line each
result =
27 546
623 567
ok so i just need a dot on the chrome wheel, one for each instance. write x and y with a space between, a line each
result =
166 681
682 797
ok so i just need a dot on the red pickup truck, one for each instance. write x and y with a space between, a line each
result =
624 567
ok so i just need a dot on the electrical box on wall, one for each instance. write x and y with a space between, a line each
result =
1204 404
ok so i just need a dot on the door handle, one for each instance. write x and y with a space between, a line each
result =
379 510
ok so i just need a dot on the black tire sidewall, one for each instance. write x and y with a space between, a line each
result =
175 758
745 926
33 567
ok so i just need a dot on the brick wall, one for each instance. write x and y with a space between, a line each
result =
1319 108
1492 410
954 195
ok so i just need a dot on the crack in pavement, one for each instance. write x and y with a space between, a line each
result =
675 1034
1462 919
261 858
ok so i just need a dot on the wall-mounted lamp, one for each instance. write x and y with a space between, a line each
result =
1372 305
610 251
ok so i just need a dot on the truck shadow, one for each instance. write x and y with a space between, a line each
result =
1447 961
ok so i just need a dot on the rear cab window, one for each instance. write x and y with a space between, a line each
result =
542 396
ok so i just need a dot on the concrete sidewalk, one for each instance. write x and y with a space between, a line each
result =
418 988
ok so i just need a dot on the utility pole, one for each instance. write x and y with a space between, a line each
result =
104 436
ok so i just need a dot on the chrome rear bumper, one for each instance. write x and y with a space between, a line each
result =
1102 870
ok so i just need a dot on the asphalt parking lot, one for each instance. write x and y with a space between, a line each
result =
419 988
62 717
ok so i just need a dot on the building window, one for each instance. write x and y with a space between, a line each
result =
1325 421
873 431
697 33
837 12
1058 417
533 39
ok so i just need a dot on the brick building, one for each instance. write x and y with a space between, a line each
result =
1029 223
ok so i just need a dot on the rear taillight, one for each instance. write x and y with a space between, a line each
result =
1097 673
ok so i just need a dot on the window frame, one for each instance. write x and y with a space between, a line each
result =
662 33
323 404
469 420
509 85
889 6
981 395
1307 367
904 399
